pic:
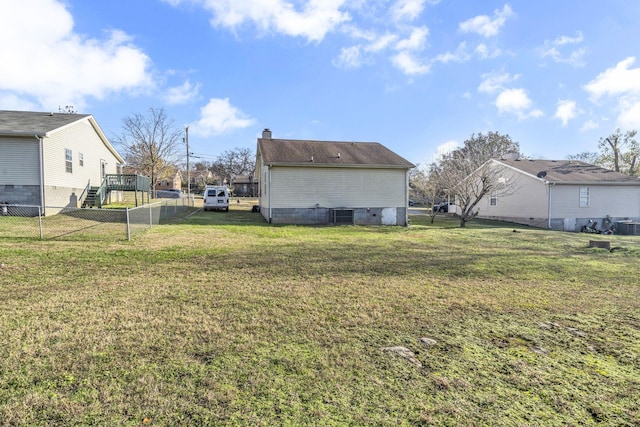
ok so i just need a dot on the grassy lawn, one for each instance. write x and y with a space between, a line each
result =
221 319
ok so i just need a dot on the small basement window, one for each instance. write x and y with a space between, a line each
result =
343 216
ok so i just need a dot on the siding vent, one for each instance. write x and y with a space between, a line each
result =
342 216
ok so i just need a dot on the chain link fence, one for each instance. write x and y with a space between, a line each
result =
23 221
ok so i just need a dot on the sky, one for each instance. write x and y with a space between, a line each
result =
418 76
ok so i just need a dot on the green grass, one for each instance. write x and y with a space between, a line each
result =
221 319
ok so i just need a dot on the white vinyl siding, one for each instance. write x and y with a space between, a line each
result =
79 137
296 187
20 161
613 200
522 196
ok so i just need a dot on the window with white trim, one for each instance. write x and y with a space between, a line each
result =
493 200
68 158
81 159
584 197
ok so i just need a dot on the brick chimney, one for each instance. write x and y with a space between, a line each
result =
266 134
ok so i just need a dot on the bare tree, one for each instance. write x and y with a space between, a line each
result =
239 161
591 157
620 152
469 174
151 143
424 187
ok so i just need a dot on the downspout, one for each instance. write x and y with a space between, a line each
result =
549 185
406 198
270 201
41 150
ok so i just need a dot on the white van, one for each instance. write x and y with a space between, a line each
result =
216 198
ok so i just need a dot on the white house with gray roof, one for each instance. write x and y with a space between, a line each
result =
50 159
561 194
331 182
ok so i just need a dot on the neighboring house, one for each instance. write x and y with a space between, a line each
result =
198 178
244 186
218 180
331 182
171 182
51 159
561 194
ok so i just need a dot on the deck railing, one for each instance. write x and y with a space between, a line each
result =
127 182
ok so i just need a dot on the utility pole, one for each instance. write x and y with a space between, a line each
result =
186 140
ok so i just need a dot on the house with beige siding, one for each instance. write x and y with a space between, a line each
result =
561 194
52 159
331 182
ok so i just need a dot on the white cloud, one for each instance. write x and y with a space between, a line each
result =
358 55
622 83
182 94
311 19
618 80
407 10
460 55
381 43
447 148
566 110
513 100
629 117
219 116
516 101
416 41
589 125
10 101
350 57
53 65
406 62
484 25
494 82
536 114
552 49
482 51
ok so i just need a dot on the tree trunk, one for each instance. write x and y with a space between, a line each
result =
463 222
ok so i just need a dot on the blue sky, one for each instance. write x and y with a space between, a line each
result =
418 76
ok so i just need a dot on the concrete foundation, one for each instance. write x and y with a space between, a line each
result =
325 216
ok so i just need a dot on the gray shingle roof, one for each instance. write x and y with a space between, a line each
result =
569 171
328 153
32 123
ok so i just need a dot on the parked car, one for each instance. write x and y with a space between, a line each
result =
169 194
441 207
411 202
216 198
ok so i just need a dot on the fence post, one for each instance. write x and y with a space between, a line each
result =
128 226
150 216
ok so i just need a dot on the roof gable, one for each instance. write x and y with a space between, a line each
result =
568 171
29 123
328 153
